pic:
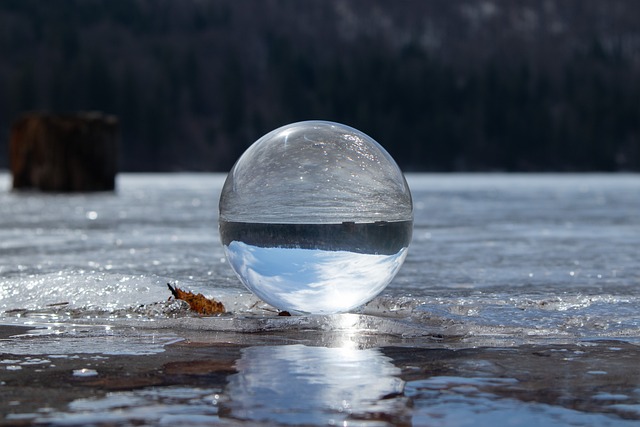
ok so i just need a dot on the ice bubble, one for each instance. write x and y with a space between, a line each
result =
316 217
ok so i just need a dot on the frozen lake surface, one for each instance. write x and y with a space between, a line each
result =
499 265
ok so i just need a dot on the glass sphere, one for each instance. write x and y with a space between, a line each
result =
316 217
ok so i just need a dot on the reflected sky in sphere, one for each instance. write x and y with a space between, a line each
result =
313 281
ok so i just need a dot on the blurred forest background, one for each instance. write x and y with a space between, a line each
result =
496 85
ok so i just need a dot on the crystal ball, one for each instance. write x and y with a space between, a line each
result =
316 217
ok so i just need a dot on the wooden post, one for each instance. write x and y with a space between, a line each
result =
65 153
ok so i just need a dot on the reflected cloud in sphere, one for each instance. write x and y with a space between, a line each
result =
306 280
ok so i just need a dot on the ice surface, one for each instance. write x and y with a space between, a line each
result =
85 290
504 258
516 304
60 339
468 406
294 384
169 406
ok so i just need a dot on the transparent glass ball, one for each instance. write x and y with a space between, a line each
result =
316 217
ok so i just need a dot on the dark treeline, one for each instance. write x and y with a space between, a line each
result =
444 85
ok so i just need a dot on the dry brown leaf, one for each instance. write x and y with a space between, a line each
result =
198 303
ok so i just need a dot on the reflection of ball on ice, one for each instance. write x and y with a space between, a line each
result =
316 217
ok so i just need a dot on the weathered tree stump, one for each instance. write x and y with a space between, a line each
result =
64 153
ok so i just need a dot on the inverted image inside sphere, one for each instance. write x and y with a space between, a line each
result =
315 172
315 217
